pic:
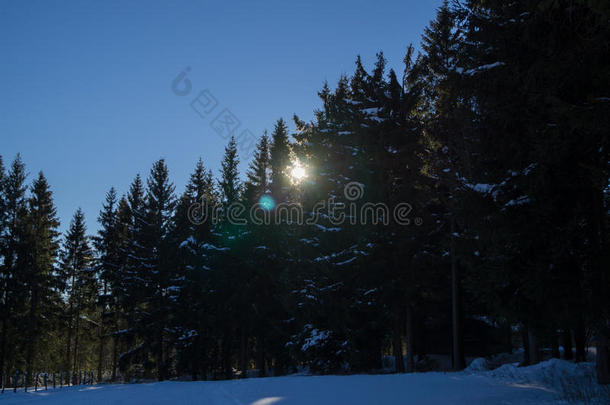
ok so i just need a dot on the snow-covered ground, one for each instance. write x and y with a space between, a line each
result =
540 384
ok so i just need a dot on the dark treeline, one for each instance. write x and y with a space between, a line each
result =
491 151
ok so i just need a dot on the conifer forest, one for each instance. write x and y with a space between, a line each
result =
454 208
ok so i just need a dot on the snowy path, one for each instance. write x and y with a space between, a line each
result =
422 388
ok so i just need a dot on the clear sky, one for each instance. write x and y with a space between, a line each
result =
87 86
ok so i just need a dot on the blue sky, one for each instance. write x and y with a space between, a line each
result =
87 86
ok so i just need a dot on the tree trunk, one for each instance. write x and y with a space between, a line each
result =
410 341
598 239
397 347
533 347
555 344
100 355
101 335
226 356
580 340
566 338
115 356
33 334
68 359
195 358
3 344
458 362
508 334
76 330
243 353
260 355
160 359
602 359
526 346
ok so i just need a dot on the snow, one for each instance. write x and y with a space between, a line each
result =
346 261
317 338
185 242
519 201
479 364
483 188
325 229
209 246
482 68
508 384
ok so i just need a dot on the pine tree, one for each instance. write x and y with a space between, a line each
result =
193 231
226 259
257 182
3 270
107 245
122 333
229 183
440 44
260 268
38 267
280 161
3 214
81 290
134 263
12 245
157 270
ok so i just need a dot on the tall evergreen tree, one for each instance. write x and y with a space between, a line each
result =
257 182
38 265
107 245
280 160
13 282
230 186
81 290
157 270
3 270
132 219
440 43
226 260
193 232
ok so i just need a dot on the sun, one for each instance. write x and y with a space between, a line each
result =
298 173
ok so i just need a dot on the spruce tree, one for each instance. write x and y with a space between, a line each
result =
226 259
157 269
280 161
81 289
440 43
3 214
229 183
12 245
261 267
134 264
3 272
257 182
193 231
37 264
107 245
122 332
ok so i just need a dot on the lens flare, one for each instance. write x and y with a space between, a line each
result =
266 202
298 173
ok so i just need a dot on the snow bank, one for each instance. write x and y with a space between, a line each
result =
478 364
509 384
572 382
